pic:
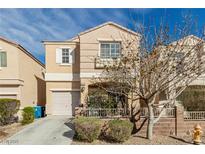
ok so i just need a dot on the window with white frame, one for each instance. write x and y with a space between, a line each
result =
110 50
3 59
65 56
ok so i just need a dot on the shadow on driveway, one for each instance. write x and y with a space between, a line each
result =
71 132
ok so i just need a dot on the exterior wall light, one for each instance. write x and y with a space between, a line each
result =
82 87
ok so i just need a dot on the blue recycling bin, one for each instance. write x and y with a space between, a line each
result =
37 113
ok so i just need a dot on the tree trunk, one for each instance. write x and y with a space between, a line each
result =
150 122
135 115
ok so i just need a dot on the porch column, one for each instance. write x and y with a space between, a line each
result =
84 93
179 119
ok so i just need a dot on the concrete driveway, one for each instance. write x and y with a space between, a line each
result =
51 130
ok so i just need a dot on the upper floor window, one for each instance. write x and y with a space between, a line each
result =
3 59
110 50
65 56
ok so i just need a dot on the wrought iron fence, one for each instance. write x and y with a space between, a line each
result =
105 112
168 112
121 112
194 115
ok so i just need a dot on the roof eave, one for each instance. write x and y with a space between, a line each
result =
23 49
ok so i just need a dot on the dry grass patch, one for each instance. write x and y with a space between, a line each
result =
141 140
9 130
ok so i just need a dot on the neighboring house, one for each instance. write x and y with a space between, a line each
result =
71 64
21 74
196 47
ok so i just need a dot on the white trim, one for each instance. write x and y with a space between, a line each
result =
9 93
89 75
58 55
65 64
62 77
71 55
69 76
12 79
108 40
99 45
0 58
56 89
59 42
65 47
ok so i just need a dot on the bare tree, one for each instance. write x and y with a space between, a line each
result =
157 65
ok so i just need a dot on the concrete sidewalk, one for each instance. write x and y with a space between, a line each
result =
51 130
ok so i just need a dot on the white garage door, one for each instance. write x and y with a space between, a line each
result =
64 103
8 96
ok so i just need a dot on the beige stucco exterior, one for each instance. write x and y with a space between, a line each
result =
52 67
64 84
23 77
86 45
58 86
90 49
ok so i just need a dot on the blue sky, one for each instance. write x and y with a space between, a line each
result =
30 26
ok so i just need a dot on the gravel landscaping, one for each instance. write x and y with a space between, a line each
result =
141 140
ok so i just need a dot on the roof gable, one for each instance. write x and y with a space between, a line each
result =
102 25
188 40
22 49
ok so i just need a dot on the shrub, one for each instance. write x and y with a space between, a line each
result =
87 129
118 130
99 99
192 98
28 115
8 109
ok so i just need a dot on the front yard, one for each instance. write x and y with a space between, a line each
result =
9 130
140 140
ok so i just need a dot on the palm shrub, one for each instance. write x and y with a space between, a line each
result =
28 115
87 128
8 109
118 130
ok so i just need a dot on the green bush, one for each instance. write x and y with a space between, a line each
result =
192 98
8 109
118 130
100 99
28 115
87 129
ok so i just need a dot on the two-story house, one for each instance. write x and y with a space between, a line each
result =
72 64
21 74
